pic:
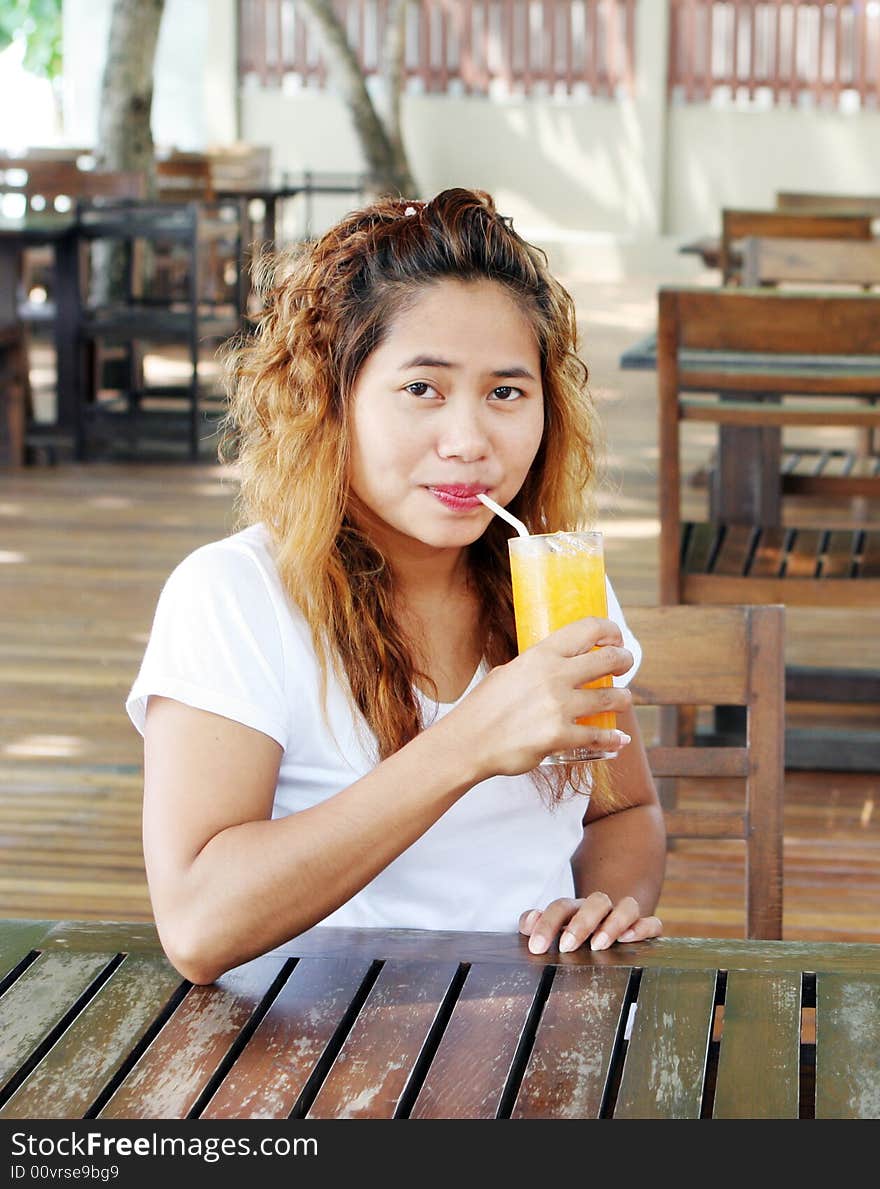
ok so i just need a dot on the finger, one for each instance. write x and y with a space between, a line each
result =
527 920
644 928
585 702
593 739
622 917
582 635
548 924
609 659
594 910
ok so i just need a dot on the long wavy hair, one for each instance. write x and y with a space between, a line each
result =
326 306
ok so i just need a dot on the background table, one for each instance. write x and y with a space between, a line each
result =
347 1023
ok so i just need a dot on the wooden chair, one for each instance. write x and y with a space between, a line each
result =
184 177
745 352
757 347
733 656
737 225
188 317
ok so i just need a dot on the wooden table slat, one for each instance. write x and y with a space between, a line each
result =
870 567
759 1059
470 1069
568 1069
768 555
838 554
803 556
272 1070
82 1062
373 1069
17 941
39 1000
665 1066
847 1047
178 1066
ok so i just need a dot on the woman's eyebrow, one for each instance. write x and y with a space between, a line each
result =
514 371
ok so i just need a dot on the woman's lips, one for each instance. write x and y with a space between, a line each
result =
459 499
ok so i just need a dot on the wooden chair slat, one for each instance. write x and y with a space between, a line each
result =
38 1001
694 823
772 374
802 200
665 1065
79 1066
470 1068
802 555
662 680
734 552
272 1070
700 544
758 413
870 565
847 1046
767 558
758 1062
801 592
177 1068
369 1076
570 1081
837 560
718 762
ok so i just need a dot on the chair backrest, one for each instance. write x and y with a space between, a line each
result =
769 261
240 166
739 224
184 177
762 342
42 183
797 200
730 656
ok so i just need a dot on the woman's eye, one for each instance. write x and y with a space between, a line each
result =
421 385
504 392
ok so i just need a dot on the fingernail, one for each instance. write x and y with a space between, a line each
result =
567 942
531 918
624 738
629 935
599 942
537 943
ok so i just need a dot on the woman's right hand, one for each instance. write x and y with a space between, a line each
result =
527 709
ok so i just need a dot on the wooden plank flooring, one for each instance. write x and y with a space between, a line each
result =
84 551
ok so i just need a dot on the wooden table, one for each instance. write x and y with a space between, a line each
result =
348 1023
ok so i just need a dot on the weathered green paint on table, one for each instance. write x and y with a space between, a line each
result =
402 1023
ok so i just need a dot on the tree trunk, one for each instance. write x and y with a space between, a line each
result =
125 139
394 77
387 165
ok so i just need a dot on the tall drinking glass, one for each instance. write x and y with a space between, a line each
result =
558 578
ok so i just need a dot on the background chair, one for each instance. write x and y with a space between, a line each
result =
738 225
755 362
711 656
188 316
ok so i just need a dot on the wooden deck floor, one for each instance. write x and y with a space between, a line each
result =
83 554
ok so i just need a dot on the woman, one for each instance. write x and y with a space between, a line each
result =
336 725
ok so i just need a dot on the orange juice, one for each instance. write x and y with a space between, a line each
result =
557 578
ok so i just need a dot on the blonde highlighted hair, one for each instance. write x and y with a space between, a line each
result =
326 306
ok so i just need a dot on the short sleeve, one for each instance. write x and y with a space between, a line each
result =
215 644
629 640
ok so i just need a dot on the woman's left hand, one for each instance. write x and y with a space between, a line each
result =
595 915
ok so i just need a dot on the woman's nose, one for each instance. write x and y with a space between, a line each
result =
462 435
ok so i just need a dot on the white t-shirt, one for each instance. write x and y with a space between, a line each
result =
226 639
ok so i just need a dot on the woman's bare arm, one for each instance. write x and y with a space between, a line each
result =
226 882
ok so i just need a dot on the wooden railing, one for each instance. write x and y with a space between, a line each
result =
784 50
474 47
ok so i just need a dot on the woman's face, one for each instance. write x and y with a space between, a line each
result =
450 404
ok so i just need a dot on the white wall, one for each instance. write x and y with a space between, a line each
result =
727 157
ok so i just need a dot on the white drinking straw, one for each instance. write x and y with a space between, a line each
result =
504 514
